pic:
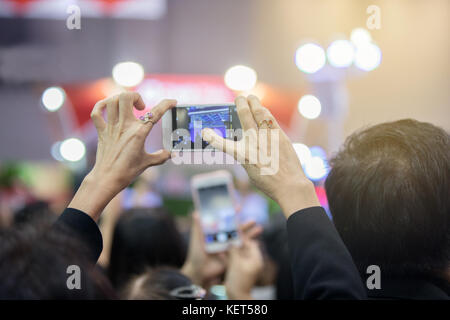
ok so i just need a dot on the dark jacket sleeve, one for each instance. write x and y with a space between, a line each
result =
321 265
84 228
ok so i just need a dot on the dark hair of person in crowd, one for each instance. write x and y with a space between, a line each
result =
144 238
155 284
388 192
36 213
34 265
275 241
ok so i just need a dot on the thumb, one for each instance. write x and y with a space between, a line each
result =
157 158
197 232
219 143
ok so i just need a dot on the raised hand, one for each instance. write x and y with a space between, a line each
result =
121 156
245 263
262 144
206 269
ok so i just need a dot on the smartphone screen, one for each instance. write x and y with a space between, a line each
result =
217 214
223 119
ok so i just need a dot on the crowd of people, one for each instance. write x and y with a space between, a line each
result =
388 194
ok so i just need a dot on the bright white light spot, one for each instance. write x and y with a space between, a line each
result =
368 57
72 150
54 151
340 53
303 152
240 78
360 37
316 168
317 151
309 106
53 98
128 74
310 58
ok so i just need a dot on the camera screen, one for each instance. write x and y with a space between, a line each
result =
218 214
188 122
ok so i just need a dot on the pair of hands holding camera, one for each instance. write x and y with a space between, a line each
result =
240 265
121 157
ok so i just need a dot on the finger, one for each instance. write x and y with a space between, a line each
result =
244 113
247 226
250 230
157 112
162 108
260 113
219 143
126 102
254 232
157 158
112 109
196 231
97 115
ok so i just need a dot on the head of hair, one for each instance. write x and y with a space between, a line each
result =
388 192
155 284
275 241
35 261
144 238
36 213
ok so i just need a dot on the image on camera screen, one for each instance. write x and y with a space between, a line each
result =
217 213
192 119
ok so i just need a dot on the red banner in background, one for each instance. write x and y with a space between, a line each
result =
187 89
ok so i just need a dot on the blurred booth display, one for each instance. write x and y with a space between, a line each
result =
57 9
195 89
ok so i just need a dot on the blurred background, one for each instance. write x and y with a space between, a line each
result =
325 68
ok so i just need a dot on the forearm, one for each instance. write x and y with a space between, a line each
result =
93 195
108 222
321 265
84 228
296 195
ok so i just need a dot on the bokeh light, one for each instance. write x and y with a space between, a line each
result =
240 78
303 152
341 53
55 151
72 149
316 168
310 58
53 98
368 57
309 106
128 74
317 151
360 37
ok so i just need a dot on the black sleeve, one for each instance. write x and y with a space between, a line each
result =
84 228
321 265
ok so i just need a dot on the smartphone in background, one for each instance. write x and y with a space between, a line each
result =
183 124
213 198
